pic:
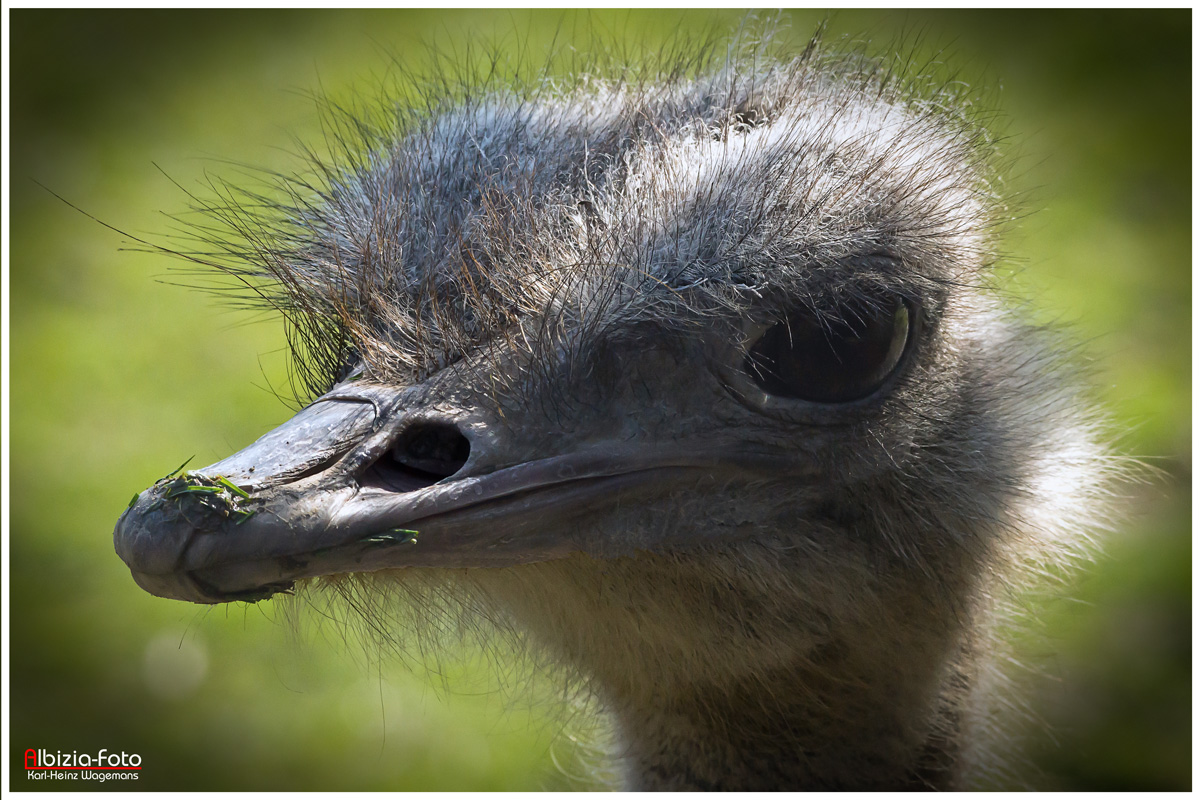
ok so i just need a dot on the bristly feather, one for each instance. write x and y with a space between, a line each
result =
550 212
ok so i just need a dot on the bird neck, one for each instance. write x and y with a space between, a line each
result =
723 672
795 728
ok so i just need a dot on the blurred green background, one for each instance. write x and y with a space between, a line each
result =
117 377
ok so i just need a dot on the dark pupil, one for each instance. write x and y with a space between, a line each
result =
834 359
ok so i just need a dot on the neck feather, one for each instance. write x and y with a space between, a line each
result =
804 727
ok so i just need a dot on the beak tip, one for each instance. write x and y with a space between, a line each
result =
150 546
153 553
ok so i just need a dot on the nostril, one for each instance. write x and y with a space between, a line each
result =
434 448
424 454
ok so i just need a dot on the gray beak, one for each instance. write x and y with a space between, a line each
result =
326 493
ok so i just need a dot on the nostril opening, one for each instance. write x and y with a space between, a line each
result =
434 448
424 454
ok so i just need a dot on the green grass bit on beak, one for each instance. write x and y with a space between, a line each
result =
394 536
239 491
178 469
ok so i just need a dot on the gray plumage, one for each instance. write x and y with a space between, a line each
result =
584 304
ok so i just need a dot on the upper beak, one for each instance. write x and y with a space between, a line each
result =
306 500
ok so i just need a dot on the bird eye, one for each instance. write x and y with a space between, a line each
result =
831 358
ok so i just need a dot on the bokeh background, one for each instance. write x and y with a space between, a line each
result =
118 375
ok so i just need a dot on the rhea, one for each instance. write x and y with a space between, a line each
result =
699 377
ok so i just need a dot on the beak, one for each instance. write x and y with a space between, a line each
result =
315 497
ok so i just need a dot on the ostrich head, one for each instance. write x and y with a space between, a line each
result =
698 378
